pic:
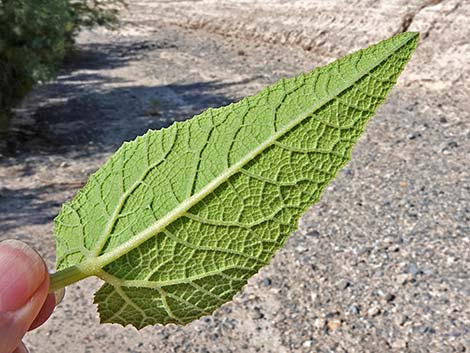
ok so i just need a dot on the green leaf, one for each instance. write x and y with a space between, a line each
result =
177 220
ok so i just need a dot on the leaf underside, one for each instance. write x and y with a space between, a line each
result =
177 220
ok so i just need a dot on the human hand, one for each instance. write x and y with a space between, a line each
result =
24 299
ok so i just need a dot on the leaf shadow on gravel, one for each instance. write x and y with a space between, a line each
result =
106 56
85 109
28 206
89 117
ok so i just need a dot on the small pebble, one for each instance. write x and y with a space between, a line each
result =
427 329
452 144
301 249
332 314
401 319
414 135
374 311
319 323
313 233
257 314
267 282
403 278
307 344
343 284
333 325
415 270
354 309
400 344
389 297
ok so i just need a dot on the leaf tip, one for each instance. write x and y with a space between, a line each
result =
408 36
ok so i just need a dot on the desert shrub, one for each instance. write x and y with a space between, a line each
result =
36 35
89 13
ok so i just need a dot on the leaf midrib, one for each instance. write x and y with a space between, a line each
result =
92 265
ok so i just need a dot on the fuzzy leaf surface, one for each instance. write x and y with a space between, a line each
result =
177 220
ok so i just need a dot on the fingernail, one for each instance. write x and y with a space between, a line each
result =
22 271
59 295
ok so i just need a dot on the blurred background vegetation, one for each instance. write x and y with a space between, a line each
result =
35 36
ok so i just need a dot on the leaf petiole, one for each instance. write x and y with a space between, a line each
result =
65 277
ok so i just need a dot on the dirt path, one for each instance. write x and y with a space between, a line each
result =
382 261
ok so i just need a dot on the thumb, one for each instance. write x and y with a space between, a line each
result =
24 283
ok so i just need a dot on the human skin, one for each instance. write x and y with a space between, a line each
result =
25 301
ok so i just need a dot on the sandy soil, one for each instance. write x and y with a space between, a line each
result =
380 264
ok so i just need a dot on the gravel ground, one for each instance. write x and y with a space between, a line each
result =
380 264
